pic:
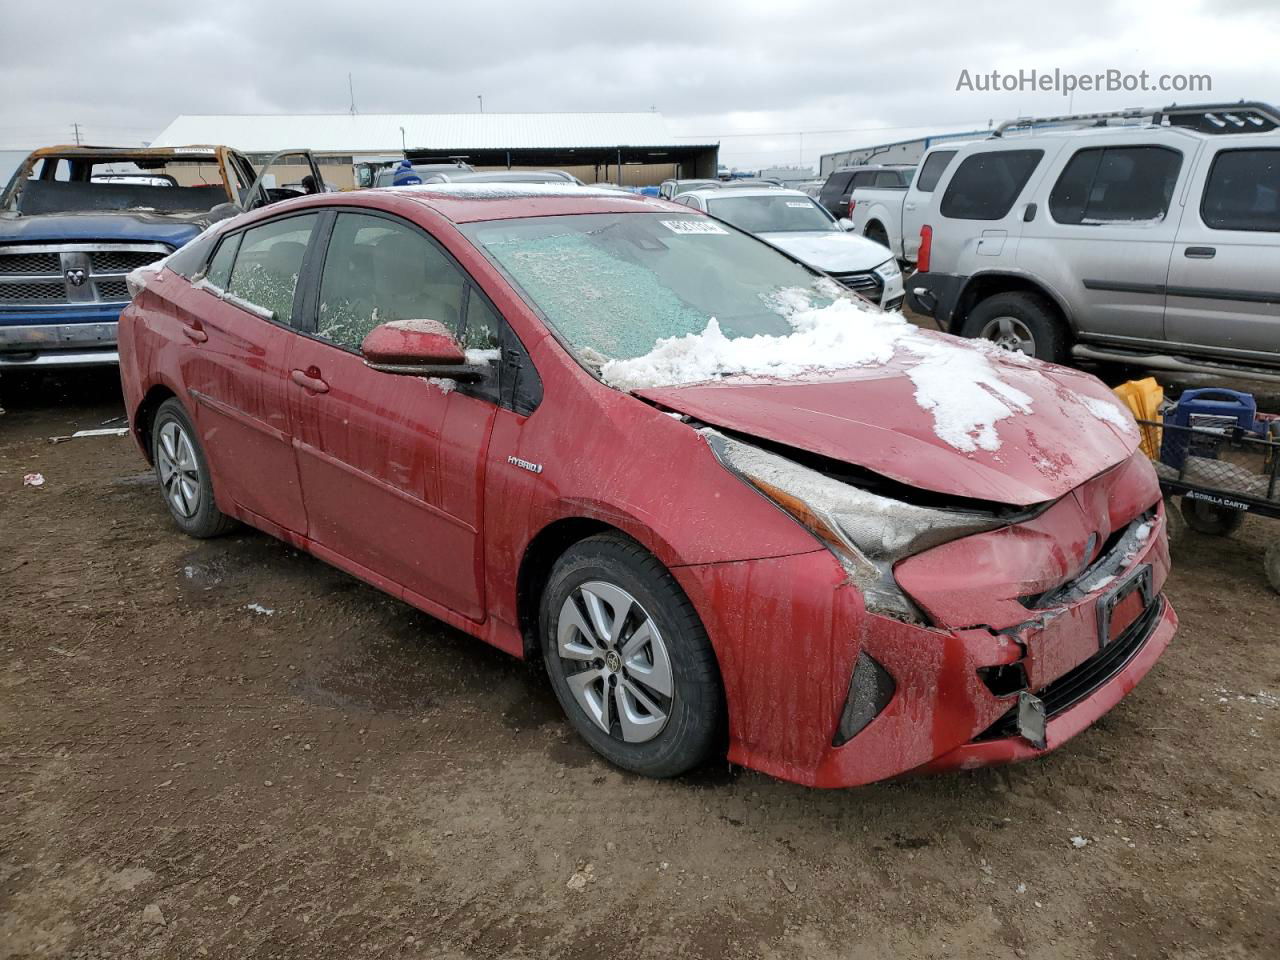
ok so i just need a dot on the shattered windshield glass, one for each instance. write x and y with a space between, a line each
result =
612 285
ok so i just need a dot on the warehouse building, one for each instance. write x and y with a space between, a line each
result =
897 151
631 149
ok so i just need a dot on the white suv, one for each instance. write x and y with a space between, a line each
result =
1149 237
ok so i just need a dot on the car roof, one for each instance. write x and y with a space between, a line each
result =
506 176
472 202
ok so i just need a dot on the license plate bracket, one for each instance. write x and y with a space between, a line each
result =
1119 608
1033 720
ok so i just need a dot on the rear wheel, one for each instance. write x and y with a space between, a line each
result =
877 233
183 473
628 658
1020 323
1209 519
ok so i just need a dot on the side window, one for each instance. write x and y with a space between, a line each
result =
688 201
888 178
985 185
1115 185
268 263
483 327
933 169
377 270
1243 191
219 272
864 179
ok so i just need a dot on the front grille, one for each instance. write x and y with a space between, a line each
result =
56 274
30 263
110 290
1076 684
868 284
33 292
121 261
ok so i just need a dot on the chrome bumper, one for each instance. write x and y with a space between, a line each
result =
58 344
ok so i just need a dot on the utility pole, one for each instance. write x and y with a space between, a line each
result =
76 128
351 90
480 97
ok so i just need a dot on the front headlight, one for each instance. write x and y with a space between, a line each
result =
889 270
867 533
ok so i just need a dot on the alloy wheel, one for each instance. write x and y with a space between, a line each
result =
1010 333
615 662
179 469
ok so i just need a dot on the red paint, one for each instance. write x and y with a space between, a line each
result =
411 341
428 494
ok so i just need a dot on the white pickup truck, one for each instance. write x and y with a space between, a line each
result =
892 216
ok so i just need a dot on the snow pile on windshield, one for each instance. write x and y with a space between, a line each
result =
838 336
959 383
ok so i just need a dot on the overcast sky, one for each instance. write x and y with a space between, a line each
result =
715 70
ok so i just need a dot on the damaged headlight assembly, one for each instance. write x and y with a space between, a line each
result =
867 533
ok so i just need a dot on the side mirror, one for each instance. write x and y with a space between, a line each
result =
419 348
845 223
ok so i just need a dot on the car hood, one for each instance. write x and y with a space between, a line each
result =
136 227
832 251
869 417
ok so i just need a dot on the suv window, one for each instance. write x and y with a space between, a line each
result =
836 186
1243 191
1115 185
268 263
932 170
864 178
377 270
985 185
888 178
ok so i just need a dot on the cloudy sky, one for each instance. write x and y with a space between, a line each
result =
775 82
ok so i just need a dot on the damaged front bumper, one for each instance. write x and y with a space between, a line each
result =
793 637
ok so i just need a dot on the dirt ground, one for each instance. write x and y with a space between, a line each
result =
343 777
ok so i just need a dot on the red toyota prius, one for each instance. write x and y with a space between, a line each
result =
725 500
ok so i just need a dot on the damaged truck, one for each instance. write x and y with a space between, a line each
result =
74 220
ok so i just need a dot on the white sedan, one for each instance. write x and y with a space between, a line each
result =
795 224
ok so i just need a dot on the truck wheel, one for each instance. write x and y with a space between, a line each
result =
1020 323
1271 564
877 233
1209 519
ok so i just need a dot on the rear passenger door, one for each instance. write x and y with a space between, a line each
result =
982 210
1224 278
240 320
1105 238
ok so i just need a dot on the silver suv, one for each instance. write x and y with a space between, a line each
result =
1147 237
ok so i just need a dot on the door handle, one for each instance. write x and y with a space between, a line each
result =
1199 253
304 379
194 333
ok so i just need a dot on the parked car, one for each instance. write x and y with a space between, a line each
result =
794 222
504 176
1152 239
892 215
386 176
670 189
840 183
75 220
863 564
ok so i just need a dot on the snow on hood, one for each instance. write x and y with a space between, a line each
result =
935 411
833 251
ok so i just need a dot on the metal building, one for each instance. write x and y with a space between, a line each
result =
897 151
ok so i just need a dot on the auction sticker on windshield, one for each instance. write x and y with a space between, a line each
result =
798 204
693 226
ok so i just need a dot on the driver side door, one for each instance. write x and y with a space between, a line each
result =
391 466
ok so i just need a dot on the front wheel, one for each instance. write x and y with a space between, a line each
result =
629 660
1020 323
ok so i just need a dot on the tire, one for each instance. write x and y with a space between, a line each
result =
1022 322
877 233
183 473
661 700
1271 565
1206 518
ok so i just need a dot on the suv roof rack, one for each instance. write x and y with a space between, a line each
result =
1211 118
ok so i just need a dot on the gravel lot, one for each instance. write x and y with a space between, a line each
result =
344 777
